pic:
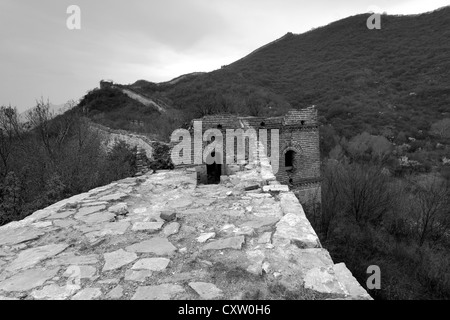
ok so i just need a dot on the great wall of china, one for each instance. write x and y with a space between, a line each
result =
167 236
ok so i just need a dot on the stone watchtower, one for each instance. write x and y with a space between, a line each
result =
104 84
298 151
300 154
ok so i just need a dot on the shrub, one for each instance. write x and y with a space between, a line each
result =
120 162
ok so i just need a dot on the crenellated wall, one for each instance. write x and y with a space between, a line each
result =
110 136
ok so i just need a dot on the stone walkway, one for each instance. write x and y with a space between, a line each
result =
161 236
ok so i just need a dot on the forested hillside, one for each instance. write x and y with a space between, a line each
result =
390 80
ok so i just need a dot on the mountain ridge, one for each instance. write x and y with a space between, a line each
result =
361 80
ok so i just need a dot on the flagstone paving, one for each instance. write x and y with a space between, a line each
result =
162 236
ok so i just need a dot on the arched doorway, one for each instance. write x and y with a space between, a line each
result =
289 157
213 171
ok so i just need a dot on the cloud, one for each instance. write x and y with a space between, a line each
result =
152 40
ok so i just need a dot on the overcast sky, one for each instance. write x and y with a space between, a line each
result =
153 40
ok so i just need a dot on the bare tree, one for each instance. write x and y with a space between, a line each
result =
254 105
431 208
52 131
39 118
206 109
10 133
441 128
367 193
331 196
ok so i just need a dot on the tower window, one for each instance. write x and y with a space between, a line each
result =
289 160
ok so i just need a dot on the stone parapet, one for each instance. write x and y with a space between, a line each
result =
164 236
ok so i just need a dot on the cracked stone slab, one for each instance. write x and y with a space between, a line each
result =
256 258
5 253
228 228
61 215
64 223
29 279
98 190
14 236
265 238
116 228
83 228
113 228
228 243
98 217
3 298
296 229
114 197
139 210
88 294
179 203
268 208
206 290
161 292
138 276
246 231
119 209
323 279
54 292
84 211
171 229
118 259
351 285
293 263
205 237
157 245
290 204
109 281
147 226
261 224
115 293
72 259
30 257
93 203
81 272
276 188
187 276
152 264
42 224
127 190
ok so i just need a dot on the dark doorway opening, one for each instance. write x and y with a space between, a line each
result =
213 171
289 160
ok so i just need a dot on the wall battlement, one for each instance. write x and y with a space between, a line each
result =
298 152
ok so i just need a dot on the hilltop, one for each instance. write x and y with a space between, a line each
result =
395 78
390 83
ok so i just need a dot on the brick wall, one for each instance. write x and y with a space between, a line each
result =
305 144
299 132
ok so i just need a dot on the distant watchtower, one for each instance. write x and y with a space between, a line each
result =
106 84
